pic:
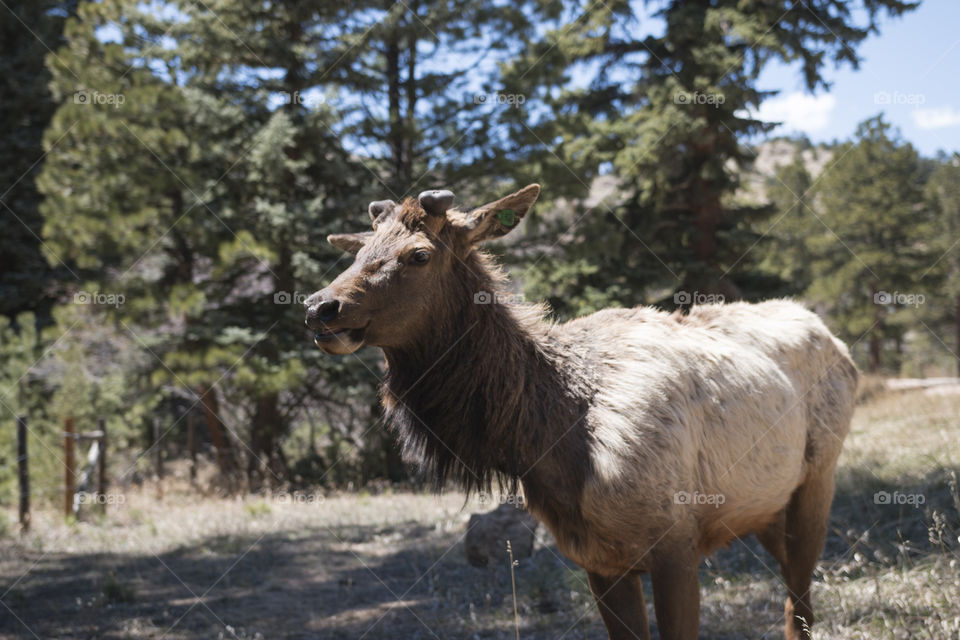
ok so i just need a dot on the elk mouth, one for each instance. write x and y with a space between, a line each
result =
339 341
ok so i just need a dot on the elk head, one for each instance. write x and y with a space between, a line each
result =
408 268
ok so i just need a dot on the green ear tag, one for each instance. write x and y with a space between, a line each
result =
507 217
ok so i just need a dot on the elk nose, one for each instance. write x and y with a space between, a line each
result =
322 312
327 310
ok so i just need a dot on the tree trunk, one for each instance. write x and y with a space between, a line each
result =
875 339
395 134
707 217
707 209
411 88
265 464
704 195
874 364
226 459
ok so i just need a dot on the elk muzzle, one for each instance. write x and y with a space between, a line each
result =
323 314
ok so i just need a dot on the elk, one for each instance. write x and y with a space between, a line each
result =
642 439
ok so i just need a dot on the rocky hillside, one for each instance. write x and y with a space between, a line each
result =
773 154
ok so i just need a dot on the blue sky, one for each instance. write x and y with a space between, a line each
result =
910 71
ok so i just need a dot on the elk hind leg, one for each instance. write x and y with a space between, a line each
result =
807 517
621 605
676 594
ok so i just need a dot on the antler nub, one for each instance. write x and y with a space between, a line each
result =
379 209
436 202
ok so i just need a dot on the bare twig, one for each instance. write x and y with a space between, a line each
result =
513 583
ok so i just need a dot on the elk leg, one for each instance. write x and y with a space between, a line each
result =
806 529
774 540
676 594
621 605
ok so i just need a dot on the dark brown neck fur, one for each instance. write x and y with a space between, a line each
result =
488 395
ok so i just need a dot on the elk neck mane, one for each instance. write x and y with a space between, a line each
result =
488 393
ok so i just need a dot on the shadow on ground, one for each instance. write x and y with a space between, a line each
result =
407 581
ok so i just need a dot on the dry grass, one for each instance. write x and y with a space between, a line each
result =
392 565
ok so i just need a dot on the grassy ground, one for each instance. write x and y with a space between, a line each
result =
392 565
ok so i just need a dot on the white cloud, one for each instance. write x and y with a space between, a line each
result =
936 117
798 111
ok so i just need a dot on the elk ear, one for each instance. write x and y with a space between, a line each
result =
498 218
349 242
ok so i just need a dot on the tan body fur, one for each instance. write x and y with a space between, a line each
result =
740 401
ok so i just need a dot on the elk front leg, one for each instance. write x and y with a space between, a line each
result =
676 594
621 605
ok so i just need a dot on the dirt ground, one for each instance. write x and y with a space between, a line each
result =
392 565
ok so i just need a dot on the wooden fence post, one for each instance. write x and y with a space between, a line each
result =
157 449
69 466
102 464
23 473
158 459
192 445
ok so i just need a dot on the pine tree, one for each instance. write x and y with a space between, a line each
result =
943 274
873 240
194 183
28 29
667 114
408 90
790 193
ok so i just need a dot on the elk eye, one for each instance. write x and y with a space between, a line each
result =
420 257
